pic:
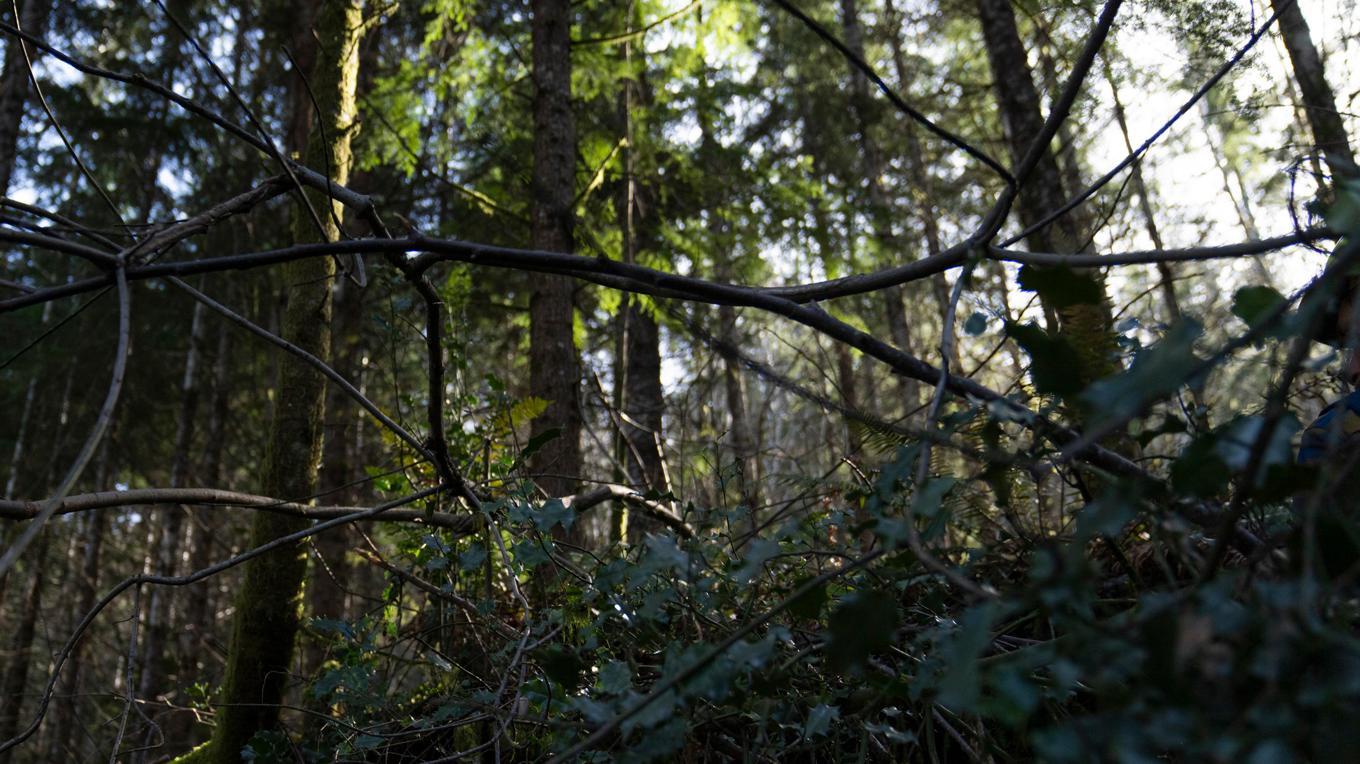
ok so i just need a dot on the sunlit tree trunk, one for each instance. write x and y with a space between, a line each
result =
268 604
1165 271
554 366
1329 129
1088 328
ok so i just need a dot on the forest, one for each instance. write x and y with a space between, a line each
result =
679 380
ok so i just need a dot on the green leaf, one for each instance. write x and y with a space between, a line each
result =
553 513
267 747
1344 214
653 713
562 666
1053 362
755 557
862 625
1252 304
1060 287
472 558
615 678
539 441
960 686
809 604
1237 439
819 720
1199 471
1156 372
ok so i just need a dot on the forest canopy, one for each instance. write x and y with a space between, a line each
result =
679 380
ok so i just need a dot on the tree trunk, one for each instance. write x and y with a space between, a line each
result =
639 394
15 681
17 455
65 744
1165 271
327 589
554 368
205 524
163 558
267 606
1088 327
880 212
1329 130
15 86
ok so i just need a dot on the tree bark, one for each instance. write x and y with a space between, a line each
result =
554 367
164 557
268 604
640 392
15 87
15 681
1165 271
1329 130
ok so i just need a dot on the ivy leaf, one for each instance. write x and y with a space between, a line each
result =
1157 371
472 558
758 552
552 513
819 720
539 441
959 686
1254 303
862 625
653 713
1053 362
615 678
1344 214
808 605
1199 471
562 666
1060 287
1237 438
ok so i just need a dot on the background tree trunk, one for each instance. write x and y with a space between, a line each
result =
1329 130
1088 328
267 608
554 367
15 86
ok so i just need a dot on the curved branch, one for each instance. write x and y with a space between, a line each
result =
85 502
101 425
1214 252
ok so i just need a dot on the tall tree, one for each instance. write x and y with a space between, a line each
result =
641 400
1329 130
267 608
15 85
554 365
1087 326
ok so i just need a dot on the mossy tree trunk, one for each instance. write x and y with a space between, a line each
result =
268 607
1087 327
